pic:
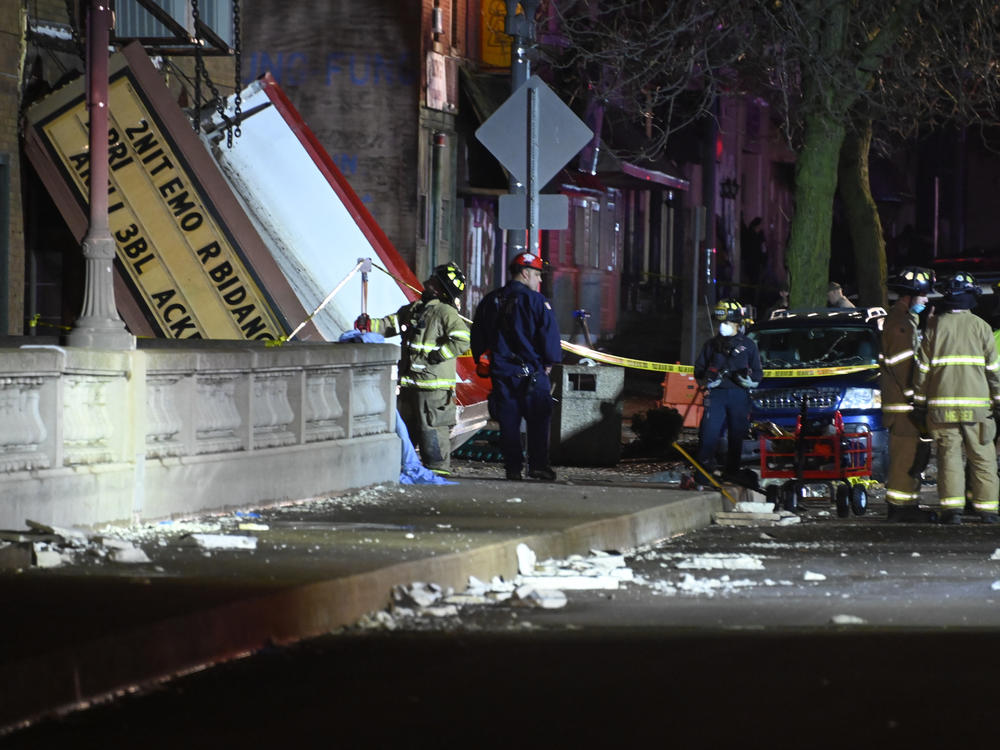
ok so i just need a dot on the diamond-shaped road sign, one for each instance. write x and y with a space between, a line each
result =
561 133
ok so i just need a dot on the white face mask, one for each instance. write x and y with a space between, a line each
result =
727 329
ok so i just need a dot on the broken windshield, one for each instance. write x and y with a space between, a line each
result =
789 348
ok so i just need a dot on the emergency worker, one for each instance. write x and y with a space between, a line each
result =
900 340
956 389
433 335
728 367
514 326
835 296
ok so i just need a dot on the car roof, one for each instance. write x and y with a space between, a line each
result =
825 316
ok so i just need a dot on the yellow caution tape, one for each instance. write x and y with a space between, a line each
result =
635 364
638 364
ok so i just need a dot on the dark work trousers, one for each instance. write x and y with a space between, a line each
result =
727 408
513 398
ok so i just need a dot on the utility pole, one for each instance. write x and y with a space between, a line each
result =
521 28
99 326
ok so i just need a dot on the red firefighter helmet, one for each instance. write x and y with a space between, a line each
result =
527 260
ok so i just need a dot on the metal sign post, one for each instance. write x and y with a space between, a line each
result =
533 134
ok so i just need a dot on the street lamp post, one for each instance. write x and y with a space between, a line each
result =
99 326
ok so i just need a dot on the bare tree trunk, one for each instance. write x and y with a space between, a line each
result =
862 216
808 254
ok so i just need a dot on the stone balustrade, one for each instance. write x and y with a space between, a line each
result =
88 437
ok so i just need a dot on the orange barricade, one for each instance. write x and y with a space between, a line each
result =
681 392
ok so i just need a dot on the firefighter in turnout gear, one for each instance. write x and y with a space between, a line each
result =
433 336
728 367
900 340
957 390
516 327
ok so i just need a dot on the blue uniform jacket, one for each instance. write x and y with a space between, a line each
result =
728 356
518 328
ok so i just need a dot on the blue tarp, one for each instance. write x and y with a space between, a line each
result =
361 337
412 471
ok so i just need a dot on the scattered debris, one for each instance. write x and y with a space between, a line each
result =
129 555
810 576
513 500
543 598
45 556
721 561
996 554
765 515
525 559
417 594
847 620
753 507
219 541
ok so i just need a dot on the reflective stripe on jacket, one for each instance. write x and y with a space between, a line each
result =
434 335
956 374
900 340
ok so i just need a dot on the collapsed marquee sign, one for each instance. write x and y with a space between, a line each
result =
188 261
210 241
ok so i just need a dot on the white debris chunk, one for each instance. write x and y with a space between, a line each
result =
607 562
380 620
810 576
721 561
710 586
444 610
539 597
847 620
71 535
417 594
995 585
513 500
996 554
525 560
749 507
46 557
219 541
129 555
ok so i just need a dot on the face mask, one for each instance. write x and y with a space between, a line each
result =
917 308
727 329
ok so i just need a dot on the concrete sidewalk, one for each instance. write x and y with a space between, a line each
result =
91 627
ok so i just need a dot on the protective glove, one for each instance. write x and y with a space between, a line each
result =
746 382
713 383
363 323
434 357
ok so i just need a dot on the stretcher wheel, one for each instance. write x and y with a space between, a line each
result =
859 499
843 500
791 495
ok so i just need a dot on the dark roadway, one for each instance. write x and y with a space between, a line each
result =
760 664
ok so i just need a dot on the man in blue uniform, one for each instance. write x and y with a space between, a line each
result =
729 368
516 328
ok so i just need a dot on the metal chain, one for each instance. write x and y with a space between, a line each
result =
238 49
201 72
196 117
